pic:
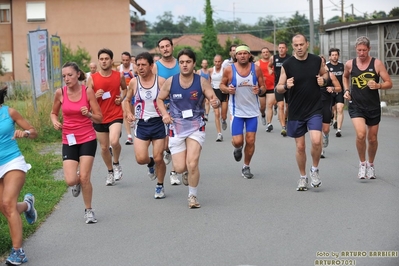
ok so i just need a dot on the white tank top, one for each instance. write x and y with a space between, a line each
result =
216 78
146 101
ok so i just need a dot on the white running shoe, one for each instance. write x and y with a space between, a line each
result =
159 192
184 178
110 180
90 217
314 175
362 171
174 179
302 184
167 157
118 174
371 172
219 138
263 120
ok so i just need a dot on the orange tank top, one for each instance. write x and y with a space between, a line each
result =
111 84
269 78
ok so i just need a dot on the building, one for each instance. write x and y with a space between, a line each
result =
91 25
384 37
194 40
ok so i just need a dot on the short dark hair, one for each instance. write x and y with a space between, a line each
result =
126 53
233 45
333 50
105 51
300 34
82 75
186 51
283 43
146 56
165 39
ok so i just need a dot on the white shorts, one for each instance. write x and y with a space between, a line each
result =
178 144
15 164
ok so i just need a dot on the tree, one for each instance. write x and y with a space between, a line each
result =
210 45
81 57
394 12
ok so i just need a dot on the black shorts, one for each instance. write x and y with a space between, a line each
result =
223 97
75 151
327 110
281 97
372 117
267 92
105 127
338 97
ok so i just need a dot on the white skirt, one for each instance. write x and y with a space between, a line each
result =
15 164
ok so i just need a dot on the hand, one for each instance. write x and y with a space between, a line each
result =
255 89
330 89
99 93
166 119
290 82
214 101
373 85
347 95
130 118
85 111
231 89
320 80
19 134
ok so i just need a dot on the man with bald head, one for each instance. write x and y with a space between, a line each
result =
93 69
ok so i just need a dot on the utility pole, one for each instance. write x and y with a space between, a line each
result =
321 26
274 37
311 26
342 11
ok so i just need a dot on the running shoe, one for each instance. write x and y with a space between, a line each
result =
16 257
193 202
371 172
335 125
174 178
167 157
110 179
184 178
31 215
322 154
118 174
338 133
246 172
89 216
284 132
159 192
224 124
263 120
275 109
302 184
110 151
325 141
219 138
76 190
206 118
269 128
237 154
151 172
129 141
362 171
314 176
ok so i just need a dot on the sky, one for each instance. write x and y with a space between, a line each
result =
250 10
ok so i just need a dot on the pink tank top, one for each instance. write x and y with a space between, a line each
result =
74 122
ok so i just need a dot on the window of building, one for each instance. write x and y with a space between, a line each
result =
5 14
6 61
35 11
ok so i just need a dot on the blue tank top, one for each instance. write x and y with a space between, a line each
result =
166 72
9 146
182 100
204 75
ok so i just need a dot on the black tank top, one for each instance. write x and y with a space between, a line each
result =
277 64
362 96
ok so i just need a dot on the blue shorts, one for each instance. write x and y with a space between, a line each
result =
154 128
237 125
298 128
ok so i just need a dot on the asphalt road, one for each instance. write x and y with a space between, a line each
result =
263 221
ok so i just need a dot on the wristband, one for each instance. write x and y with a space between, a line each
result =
28 133
286 87
90 114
